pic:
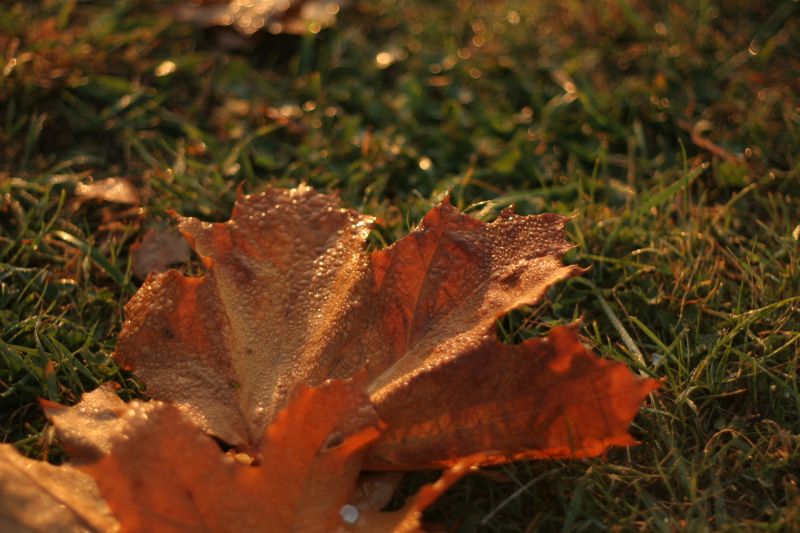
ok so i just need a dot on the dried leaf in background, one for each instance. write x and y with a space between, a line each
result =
157 250
116 190
274 16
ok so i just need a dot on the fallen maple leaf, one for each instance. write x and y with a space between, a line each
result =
291 298
318 361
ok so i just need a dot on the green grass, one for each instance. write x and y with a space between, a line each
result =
586 109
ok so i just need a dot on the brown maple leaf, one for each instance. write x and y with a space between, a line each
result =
290 297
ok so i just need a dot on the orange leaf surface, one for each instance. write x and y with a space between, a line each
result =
544 398
231 345
291 298
160 472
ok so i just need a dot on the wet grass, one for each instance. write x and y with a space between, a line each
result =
672 134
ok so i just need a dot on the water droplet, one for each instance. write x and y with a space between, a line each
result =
349 514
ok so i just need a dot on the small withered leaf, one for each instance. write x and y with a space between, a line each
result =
116 190
274 16
157 250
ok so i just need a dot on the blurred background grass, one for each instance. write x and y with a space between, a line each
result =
671 131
